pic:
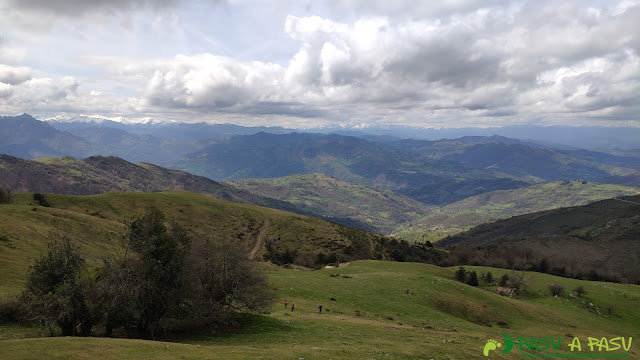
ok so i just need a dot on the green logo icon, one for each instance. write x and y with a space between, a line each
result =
491 345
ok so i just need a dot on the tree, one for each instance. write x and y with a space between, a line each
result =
461 274
473 279
223 279
118 291
580 290
489 278
160 265
556 289
5 195
59 289
517 280
170 279
504 280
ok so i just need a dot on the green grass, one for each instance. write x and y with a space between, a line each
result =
373 317
379 309
97 224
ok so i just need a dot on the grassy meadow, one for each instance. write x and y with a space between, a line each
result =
379 310
371 309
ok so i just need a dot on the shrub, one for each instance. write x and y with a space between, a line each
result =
580 290
461 274
5 196
556 289
41 199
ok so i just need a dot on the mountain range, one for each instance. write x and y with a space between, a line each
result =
346 158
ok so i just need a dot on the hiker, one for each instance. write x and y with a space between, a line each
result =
320 309
293 305
285 303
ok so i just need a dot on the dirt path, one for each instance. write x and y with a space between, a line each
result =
261 234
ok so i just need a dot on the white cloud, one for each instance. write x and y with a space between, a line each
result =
415 62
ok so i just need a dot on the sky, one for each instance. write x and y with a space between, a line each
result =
455 63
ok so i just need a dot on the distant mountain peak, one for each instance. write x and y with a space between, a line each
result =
100 119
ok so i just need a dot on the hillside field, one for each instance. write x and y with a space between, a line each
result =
371 309
382 310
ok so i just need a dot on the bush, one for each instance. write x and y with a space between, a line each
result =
12 310
461 274
580 290
41 199
556 289
5 195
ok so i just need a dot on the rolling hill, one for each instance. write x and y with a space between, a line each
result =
327 197
601 236
97 223
369 314
346 158
100 174
501 204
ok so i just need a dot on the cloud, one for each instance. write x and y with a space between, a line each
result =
404 61
208 81
33 92
74 8
14 75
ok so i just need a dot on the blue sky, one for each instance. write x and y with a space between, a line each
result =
303 64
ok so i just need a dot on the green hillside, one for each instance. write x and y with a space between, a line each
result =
371 309
600 238
97 223
327 197
502 204
101 174
380 310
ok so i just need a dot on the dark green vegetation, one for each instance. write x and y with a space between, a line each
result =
374 316
502 204
163 281
326 197
5 195
100 174
594 241
346 158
